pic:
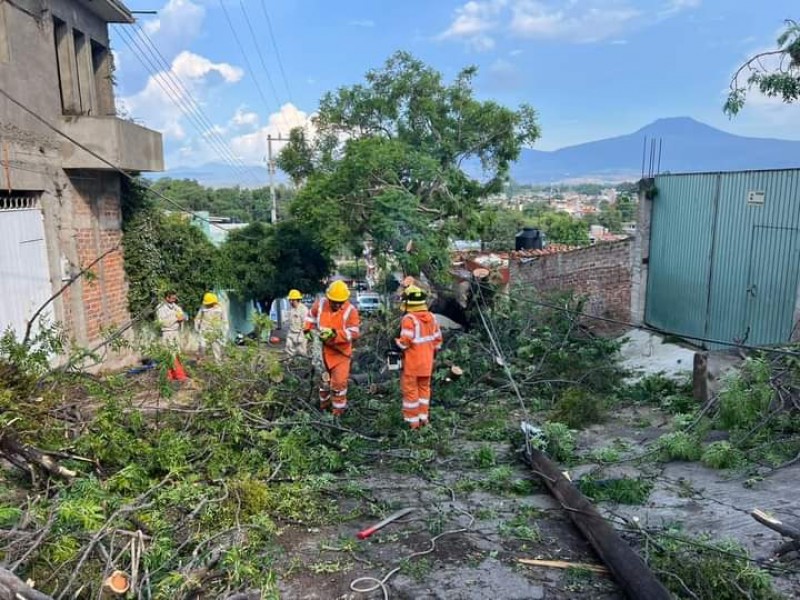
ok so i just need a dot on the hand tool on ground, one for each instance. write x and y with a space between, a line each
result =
365 533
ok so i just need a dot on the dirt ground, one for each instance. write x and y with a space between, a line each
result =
494 528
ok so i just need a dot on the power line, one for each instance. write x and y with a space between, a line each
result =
180 97
643 327
275 47
102 159
244 56
261 59
198 108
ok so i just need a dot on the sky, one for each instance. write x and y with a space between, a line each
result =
591 68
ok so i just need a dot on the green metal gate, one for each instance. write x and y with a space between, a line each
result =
725 255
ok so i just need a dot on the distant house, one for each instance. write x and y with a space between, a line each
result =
718 256
59 204
240 313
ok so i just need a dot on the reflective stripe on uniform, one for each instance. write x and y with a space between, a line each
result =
411 419
418 337
410 405
424 401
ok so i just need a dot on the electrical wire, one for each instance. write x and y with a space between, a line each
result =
380 584
102 159
244 56
643 327
275 47
182 99
190 98
249 23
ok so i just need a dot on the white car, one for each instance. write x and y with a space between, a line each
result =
368 303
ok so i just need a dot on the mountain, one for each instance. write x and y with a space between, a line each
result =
217 175
686 146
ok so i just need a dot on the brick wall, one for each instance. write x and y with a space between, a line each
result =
602 273
97 230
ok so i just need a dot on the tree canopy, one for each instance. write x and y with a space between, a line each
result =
775 73
164 252
263 262
385 162
240 204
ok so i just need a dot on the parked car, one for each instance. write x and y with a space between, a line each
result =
368 303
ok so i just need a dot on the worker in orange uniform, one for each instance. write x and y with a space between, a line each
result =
420 339
337 324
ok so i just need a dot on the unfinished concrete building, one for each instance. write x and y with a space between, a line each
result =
60 206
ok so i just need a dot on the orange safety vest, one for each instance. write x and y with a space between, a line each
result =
420 339
345 322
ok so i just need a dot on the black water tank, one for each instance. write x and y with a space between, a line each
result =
529 238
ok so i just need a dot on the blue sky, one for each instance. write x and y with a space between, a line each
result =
591 68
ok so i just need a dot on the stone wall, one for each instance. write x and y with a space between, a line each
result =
601 272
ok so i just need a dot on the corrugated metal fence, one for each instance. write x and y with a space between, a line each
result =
725 256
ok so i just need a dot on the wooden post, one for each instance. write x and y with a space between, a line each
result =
631 572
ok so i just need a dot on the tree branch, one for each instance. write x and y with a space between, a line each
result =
63 289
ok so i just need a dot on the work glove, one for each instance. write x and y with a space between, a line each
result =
326 334
309 335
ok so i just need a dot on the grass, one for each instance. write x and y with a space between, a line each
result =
520 528
620 491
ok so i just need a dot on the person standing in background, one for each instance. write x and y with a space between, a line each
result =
170 318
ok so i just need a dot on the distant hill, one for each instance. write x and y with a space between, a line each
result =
687 146
217 175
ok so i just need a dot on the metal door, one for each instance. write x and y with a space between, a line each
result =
772 284
24 273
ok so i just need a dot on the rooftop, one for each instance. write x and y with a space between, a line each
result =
111 11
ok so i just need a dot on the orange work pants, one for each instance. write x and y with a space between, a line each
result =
336 389
416 399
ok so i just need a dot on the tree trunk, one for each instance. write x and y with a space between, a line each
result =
13 588
632 574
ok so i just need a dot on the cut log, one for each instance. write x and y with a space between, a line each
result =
562 564
631 573
776 525
13 588
17 453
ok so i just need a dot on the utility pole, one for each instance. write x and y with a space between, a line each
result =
271 170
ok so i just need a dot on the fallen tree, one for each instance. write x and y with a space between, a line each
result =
631 572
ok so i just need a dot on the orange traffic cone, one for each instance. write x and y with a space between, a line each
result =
177 373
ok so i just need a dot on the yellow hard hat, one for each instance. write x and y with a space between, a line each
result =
295 295
414 296
338 291
209 298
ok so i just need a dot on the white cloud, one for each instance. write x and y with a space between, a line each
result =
516 52
675 6
480 22
473 23
252 147
504 75
244 118
179 22
619 42
362 23
157 104
589 21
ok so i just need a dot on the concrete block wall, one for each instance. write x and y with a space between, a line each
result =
601 272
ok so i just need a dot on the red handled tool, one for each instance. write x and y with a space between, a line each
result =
365 533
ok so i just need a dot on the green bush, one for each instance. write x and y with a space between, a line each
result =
679 445
722 455
578 408
559 441
622 491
